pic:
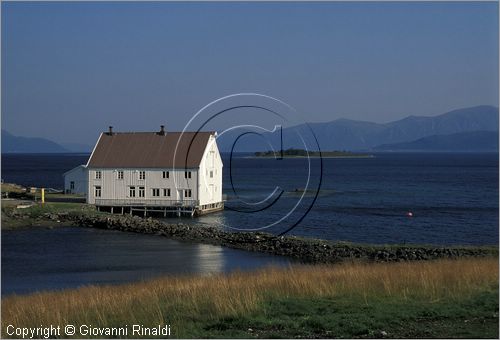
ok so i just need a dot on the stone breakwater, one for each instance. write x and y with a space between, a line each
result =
304 249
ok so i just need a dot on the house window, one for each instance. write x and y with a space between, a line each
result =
211 174
141 191
166 174
72 185
120 174
142 175
156 192
97 191
131 192
187 193
98 175
166 192
187 174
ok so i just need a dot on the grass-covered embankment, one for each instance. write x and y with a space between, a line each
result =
444 298
301 153
46 214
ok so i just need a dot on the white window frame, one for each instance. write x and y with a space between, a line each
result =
142 175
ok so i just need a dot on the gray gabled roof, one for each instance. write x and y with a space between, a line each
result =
149 150
75 168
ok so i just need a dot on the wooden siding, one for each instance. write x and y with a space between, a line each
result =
114 188
77 175
210 188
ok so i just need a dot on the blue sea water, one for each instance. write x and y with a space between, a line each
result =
66 257
453 196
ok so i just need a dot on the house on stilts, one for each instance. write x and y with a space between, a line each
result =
155 172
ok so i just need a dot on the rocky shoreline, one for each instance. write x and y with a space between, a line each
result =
302 249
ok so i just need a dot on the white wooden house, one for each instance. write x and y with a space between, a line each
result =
156 172
76 180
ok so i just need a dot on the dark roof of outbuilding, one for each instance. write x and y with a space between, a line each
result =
149 150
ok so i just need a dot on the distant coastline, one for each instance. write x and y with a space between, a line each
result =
300 153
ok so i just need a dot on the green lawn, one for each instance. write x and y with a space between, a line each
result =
348 317
13 217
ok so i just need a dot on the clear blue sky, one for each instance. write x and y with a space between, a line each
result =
71 69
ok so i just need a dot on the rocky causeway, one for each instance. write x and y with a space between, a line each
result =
304 249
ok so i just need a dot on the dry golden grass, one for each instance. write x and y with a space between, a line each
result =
179 299
10 187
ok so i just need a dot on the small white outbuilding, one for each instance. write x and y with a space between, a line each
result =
76 180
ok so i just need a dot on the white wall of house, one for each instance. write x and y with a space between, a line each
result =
210 175
75 181
116 184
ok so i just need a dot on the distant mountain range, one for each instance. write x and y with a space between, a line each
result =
16 144
474 141
352 135
468 129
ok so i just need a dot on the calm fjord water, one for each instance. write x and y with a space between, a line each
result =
43 259
453 196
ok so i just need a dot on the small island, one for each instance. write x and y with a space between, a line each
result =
301 153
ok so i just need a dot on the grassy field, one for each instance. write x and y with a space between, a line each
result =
446 298
13 217
11 187
300 153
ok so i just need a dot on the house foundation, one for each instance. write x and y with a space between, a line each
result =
162 210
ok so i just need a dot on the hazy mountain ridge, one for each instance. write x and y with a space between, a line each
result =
17 144
479 118
340 134
346 134
478 141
